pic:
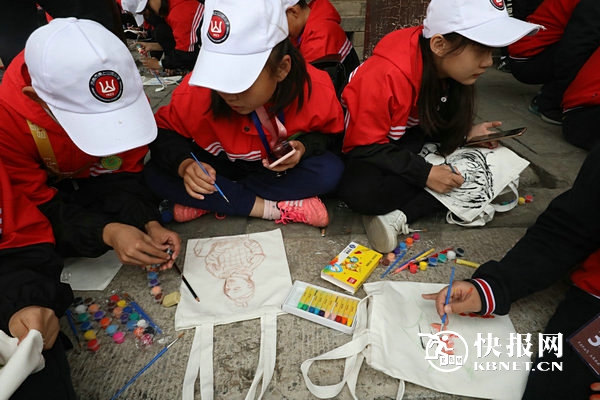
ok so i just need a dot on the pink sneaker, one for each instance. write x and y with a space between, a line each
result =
185 213
310 211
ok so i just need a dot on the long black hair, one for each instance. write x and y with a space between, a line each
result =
288 90
446 107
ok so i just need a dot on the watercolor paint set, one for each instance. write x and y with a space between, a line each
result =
323 306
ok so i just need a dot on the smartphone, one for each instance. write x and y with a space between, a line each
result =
496 136
282 150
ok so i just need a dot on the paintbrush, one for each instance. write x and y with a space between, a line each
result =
141 371
185 281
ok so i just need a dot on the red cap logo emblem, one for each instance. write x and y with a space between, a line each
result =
218 28
106 86
498 4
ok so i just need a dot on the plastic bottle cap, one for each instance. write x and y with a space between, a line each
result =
128 309
114 297
98 315
89 335
423 265
134 316
86 326
451 255
117 312
93 345
93 308
142 323
131 325
416 236
460 252
155 290
152 275
105 322
110 330
121 303
442 258
432 261
80 309
119 337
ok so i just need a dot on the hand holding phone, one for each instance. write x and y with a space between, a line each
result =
282 150
496 136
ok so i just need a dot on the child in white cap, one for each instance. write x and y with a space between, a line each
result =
250 91
416 87
74 125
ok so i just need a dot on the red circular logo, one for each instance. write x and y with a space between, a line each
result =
218 28
106 86
498 4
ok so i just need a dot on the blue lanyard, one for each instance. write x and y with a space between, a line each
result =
261 132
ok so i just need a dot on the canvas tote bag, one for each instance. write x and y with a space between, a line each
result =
390 337
237 278
490 174
18 361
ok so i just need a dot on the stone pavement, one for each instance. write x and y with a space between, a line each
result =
554 165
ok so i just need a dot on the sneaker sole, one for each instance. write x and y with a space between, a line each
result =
377 229
549 120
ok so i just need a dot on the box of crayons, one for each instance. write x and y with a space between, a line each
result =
323 306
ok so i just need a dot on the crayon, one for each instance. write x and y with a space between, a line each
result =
467 263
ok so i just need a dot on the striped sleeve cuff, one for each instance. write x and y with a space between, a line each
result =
487 296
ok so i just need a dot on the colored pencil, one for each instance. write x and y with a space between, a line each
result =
185 281
467 263
416 258
399 257
141 371
206 172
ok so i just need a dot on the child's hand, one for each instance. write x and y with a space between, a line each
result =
151 63
463 299
41 319
196 182
442 179
149 46
290 162
484 129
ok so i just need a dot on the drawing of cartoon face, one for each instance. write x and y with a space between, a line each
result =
240 289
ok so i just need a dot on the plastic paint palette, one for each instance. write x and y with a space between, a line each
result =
323 306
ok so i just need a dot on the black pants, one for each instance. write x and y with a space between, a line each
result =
579 40
580 126
367 189
573 382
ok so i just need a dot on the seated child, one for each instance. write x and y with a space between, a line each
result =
417 86
250 90
316 31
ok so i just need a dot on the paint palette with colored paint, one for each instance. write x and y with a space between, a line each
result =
323 306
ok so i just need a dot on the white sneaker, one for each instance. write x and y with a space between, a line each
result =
383 230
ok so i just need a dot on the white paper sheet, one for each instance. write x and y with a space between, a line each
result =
91 273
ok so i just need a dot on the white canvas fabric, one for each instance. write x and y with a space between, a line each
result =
390 343
90 82
18 361
237 278
488 173
483 21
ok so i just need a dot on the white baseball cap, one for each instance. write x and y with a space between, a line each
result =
483 21
237 39
90 82
135 7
